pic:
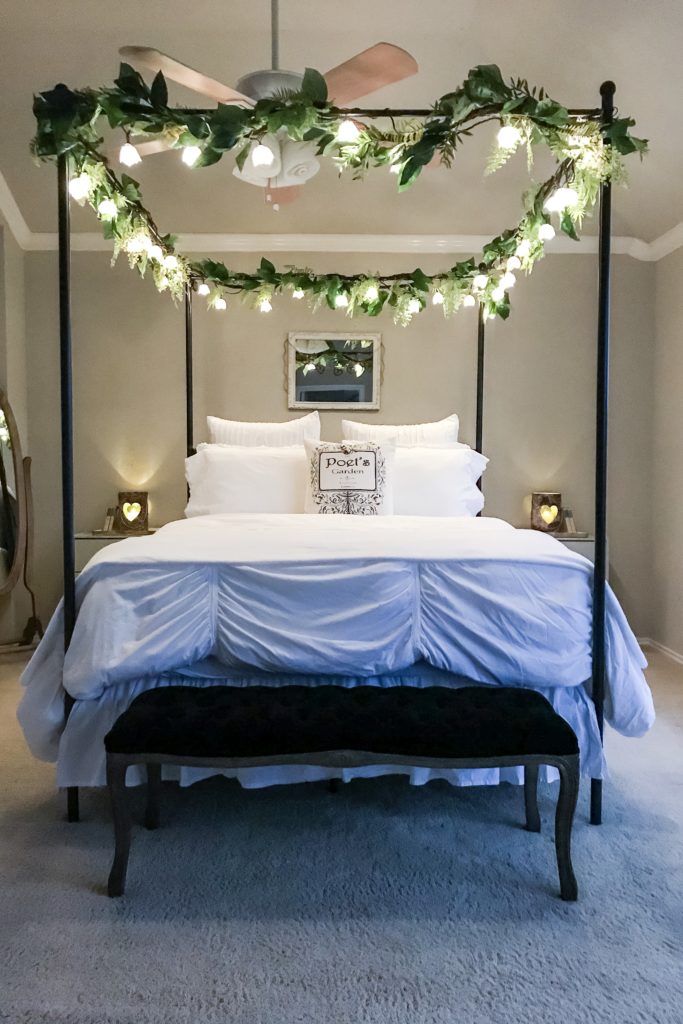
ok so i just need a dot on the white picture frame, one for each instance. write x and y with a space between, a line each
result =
366 392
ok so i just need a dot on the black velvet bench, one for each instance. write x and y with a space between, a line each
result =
434 727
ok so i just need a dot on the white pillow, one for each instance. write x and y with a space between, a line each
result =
239 478
407 436
350 478
275 434
438 482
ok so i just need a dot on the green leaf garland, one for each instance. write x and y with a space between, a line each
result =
587 153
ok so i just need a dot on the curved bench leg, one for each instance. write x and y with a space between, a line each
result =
153 789
116 781
72 808
564 815
533 819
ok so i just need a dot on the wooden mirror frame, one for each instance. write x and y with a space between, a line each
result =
290 363
19 559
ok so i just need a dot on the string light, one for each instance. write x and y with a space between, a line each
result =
395 168
348 132
265 306
508 137
156 253
298 293
469 300
107 208
341 300
262 156
128 154
498 294
561 199
546 232
203 289
480 281
170 262
514 263
190 155
137 244
358 369
523 249
371 293
79 187
508 280
309 367
414 306
437 298
220 303
164 282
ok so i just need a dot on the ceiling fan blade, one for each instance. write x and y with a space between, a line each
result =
379 65
155 60
276 197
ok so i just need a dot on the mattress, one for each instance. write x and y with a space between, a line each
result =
347 596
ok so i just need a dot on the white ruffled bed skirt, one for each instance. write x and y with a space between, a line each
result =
81 756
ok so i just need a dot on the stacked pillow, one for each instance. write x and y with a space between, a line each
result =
409 470
410 435
253 434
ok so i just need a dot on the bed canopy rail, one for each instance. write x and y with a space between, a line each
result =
605 114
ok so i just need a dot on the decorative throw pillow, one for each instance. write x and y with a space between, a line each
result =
260 434
408 435
350 478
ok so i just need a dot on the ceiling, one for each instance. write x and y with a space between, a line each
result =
568 47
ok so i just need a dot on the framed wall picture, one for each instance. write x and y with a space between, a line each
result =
333 371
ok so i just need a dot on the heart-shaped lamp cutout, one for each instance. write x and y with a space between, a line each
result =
131 510
548 513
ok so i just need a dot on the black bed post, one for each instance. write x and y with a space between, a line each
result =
64 231
607 90
481 340
189 396
481 352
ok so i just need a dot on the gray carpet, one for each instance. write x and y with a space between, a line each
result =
382 903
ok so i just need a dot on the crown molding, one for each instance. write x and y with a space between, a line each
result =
666 243
13 216
32 241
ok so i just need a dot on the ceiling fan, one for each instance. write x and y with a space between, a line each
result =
279 165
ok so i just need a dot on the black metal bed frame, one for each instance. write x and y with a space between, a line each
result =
605 113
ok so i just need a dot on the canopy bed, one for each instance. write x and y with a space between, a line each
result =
204 570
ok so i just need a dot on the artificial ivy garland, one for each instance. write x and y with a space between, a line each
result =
586 153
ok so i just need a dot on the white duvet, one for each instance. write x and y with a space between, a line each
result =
341 595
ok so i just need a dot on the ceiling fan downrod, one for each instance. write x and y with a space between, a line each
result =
275 35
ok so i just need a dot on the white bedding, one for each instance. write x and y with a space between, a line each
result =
356 596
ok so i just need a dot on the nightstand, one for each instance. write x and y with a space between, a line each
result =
89 543
581 545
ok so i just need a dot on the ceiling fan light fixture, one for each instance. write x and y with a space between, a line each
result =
262 156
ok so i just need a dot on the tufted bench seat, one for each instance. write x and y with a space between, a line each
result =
343 727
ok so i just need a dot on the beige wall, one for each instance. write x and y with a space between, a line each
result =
667 490
129 387
14 608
